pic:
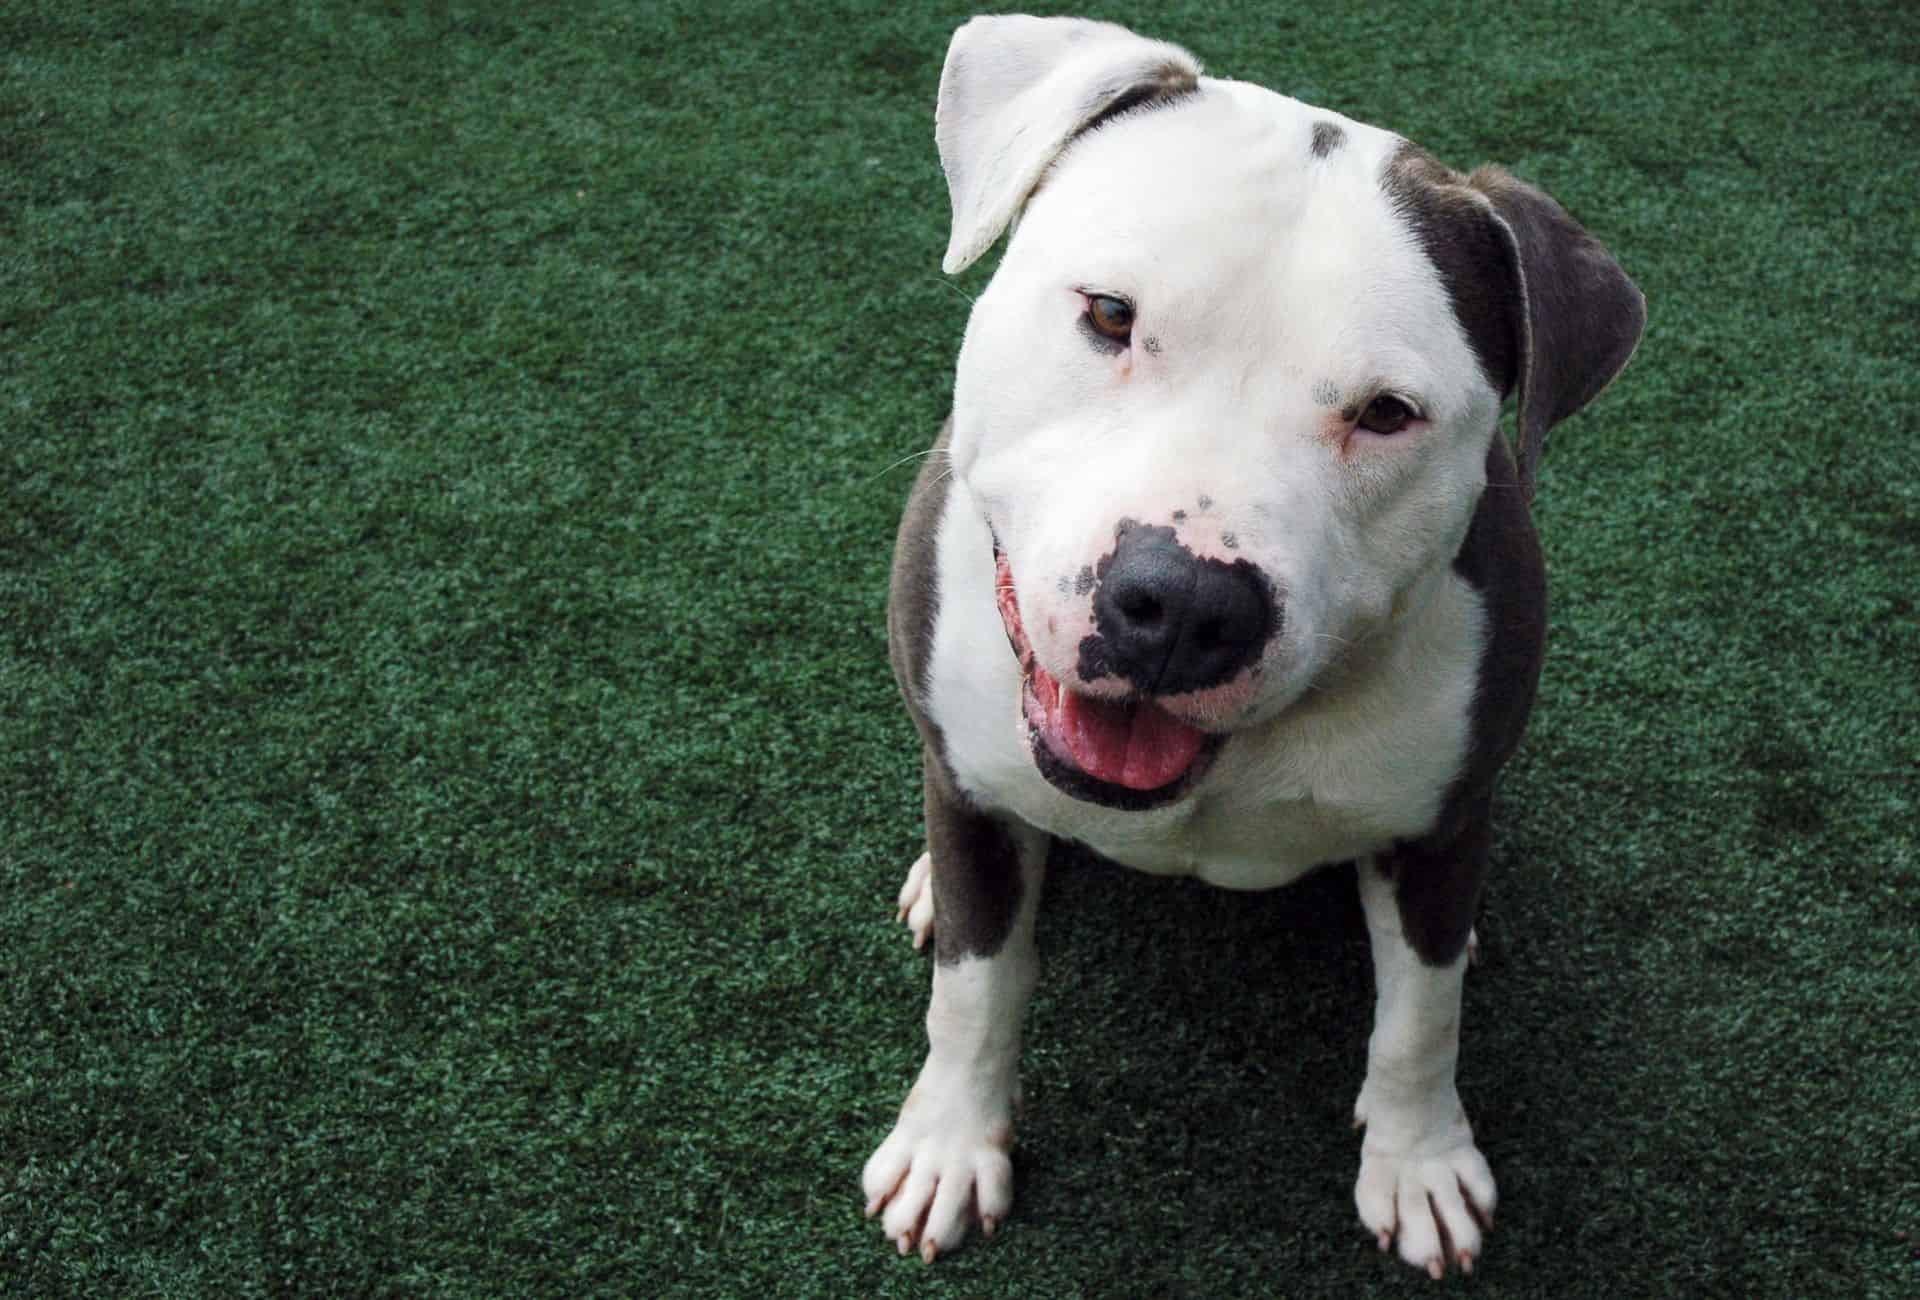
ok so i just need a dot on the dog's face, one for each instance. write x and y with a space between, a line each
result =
1224 419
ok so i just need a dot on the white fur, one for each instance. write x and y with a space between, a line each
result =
1058 442
1013 90
1360 716
916 899
1420 1172
947 1160
1277 288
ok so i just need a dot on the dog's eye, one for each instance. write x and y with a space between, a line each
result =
1110 317
1387 414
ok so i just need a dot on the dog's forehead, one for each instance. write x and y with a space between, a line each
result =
1232 173
1267 134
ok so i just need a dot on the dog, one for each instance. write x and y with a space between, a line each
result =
1222 566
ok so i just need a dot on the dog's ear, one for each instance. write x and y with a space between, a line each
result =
1015 91
1580 319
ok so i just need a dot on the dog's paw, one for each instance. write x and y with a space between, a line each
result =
916 900
1433 1198
945 1165
1435 1208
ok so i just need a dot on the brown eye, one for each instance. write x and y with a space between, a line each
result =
1387 414
1110 317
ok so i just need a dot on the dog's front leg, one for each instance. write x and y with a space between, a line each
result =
947 1160
1423 1182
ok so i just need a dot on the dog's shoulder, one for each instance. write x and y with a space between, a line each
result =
913 591
1501 560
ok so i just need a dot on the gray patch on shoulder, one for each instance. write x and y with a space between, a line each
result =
1438 876
977 883
1327 136
913 595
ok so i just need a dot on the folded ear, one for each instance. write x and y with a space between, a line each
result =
1015 90
1581 316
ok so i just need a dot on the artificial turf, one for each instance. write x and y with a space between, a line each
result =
453 790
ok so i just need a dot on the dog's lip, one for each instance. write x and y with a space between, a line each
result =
1122 749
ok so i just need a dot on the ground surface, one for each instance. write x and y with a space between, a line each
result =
454 793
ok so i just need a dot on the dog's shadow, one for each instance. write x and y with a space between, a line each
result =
1181 1028
1191 1046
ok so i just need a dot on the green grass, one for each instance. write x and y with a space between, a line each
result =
453 791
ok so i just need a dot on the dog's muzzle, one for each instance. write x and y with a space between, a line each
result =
1167 623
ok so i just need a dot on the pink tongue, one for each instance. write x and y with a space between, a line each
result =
1140 746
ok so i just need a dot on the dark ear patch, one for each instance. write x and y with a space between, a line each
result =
1544 305
1584 317
1460 236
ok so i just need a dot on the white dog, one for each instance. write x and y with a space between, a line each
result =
1222 566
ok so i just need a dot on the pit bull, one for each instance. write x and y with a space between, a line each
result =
1222 566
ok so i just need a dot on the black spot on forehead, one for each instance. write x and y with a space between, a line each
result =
1327 136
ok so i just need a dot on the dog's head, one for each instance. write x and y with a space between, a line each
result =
1227 402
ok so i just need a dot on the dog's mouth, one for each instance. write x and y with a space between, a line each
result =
1127 753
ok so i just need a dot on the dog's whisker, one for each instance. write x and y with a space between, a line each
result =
910 456
956 288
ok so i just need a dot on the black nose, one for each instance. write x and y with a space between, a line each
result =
1169 621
